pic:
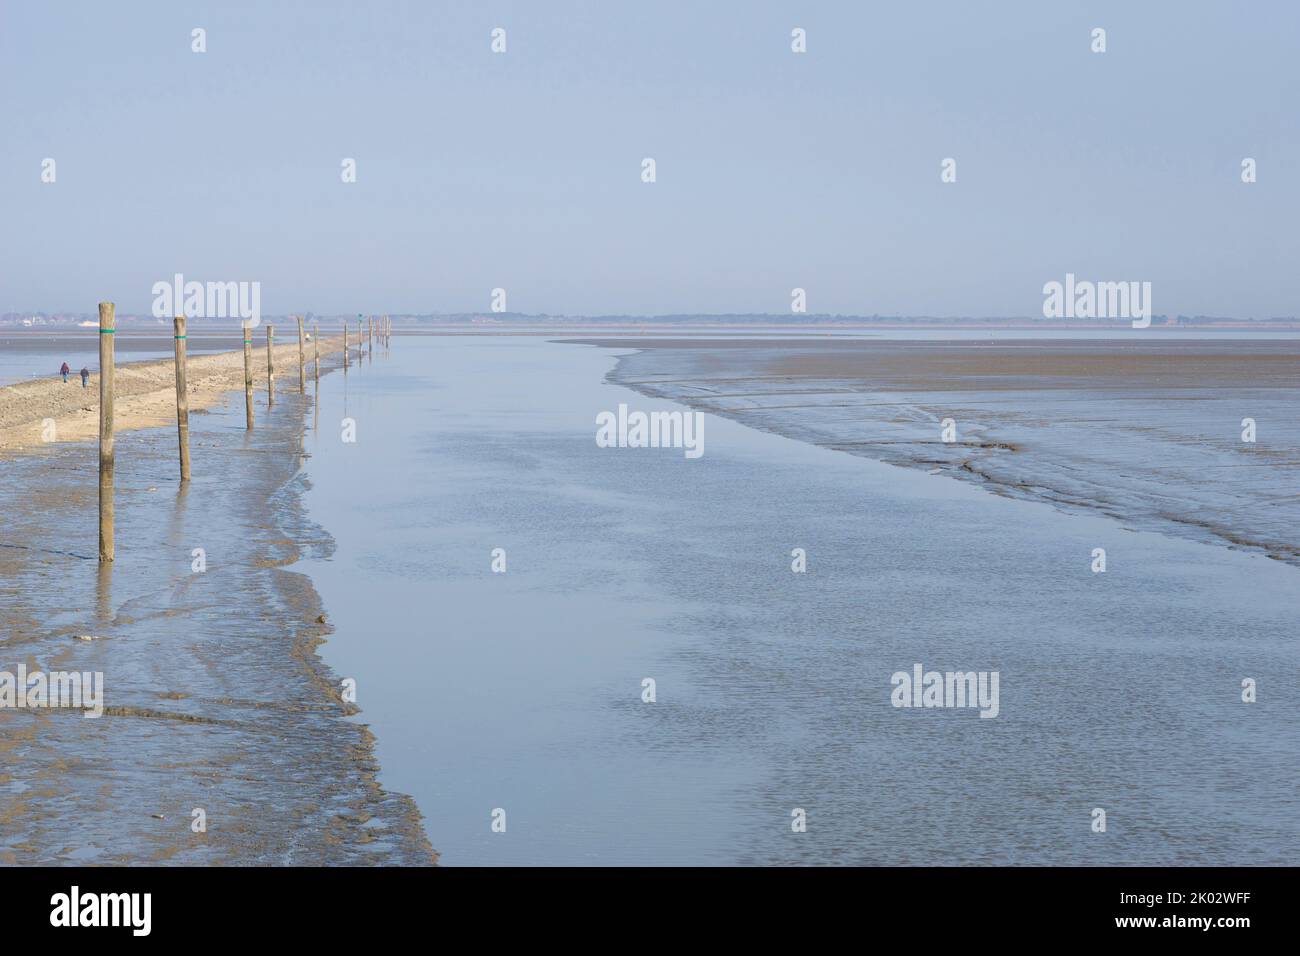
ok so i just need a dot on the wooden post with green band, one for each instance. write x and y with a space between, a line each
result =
302 361
345 345
248 375
182 397
106 330
315 344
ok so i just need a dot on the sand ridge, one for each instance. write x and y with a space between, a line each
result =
145 393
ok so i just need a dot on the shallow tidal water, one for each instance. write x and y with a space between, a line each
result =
213 697
521 691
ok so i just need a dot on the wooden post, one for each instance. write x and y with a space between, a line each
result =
371 339
315 342
302 360
345 345
361 337
106 332
270 366
248 376
182 398
104 593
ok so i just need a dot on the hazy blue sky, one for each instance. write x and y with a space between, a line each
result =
775 170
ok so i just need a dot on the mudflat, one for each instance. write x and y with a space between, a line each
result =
1188 436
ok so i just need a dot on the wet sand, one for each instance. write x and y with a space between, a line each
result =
1146 431
215 695
775 686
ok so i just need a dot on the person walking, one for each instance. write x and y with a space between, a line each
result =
64 372
85 376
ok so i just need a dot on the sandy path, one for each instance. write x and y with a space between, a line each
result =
145 394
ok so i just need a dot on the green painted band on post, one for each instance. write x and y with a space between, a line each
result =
248 341
105 331
178 336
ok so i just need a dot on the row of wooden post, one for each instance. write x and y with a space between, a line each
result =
107 331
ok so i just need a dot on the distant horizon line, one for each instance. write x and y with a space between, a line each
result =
25 319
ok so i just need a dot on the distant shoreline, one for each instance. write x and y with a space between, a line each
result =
429 323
